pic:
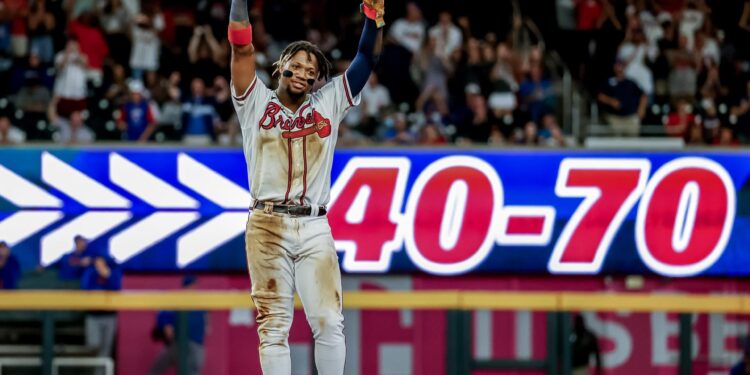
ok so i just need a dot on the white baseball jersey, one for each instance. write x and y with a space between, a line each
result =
289 154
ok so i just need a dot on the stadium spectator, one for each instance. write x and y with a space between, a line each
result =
624 102
41 25
446 36
349 137
741 114
324 39
537 93
33 98
206 56
695 135
706 45
92 44
159 90
72 265
102 275
199 117
151 83
474 68
395 130
72 130
6 62
10 269
116 22
28 67
503 74
70 83
691 17
507 120
710 121
680 123
650 17
166 332
588 13
137 120
527 40
169 94
476 122
433 75
743 366
584 345
9 134
683 73
429 135
661 63
634 52
496 137
549 133
15 13
710 85
409 32
405 38
726 138
117 90
228 127
529 134
375 101
146 46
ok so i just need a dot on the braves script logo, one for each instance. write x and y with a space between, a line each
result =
295 128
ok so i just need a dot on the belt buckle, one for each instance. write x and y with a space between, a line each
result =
268 208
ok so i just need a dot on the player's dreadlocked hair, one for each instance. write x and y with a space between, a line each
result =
324 66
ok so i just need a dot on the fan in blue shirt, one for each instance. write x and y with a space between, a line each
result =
10 269
72 265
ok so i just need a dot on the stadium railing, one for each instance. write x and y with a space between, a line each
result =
459 304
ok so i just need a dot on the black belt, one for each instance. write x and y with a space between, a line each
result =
289 209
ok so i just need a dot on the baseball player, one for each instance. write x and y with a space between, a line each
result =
289 134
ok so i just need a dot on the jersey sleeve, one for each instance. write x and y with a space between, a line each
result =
245 103
336 98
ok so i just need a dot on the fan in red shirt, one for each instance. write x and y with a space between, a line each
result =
589 12
678 122
726 138
93 45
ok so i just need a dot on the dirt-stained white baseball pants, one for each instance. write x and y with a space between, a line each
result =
285 254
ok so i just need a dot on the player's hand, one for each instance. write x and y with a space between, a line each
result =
378 8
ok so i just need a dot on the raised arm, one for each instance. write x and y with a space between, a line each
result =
370 46
243 53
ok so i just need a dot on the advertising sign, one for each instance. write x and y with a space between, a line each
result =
444 212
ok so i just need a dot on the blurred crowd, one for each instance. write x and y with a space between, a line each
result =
683 64
79 71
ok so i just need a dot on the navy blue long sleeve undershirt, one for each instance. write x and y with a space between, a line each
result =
364 62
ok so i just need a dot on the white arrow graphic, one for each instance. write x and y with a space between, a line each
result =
23 193
206 182
146 186
78 186
90 225
209 236
148 232
24 224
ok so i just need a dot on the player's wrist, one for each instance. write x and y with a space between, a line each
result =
240 35
371 11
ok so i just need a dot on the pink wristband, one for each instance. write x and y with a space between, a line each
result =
369 12
240 37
